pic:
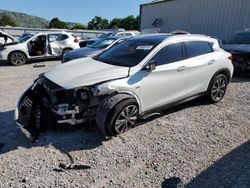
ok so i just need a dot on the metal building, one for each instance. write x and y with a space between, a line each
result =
218 18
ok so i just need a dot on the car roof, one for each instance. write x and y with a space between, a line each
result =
154 38
53 32
161 37
247 31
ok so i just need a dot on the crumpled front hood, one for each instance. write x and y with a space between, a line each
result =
239 48
81 52
84 72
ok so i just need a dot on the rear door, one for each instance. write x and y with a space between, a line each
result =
56 44
201 63
167 83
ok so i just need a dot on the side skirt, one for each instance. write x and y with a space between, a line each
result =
158 110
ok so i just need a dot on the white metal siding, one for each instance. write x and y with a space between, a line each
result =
220 18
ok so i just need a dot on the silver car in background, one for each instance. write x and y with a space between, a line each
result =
91 50
134 79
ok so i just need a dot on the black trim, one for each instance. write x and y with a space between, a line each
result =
140 18
166 106
152 3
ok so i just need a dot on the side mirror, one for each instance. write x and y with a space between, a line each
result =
150 65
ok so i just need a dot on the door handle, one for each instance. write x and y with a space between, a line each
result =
211 62
182 68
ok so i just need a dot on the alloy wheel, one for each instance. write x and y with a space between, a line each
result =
219 88
126 119
18 58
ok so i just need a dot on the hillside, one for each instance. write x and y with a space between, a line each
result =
25 20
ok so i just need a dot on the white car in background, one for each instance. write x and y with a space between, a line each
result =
40 46
131 80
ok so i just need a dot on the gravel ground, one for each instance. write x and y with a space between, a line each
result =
204 145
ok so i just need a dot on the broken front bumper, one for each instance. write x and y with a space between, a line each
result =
46 105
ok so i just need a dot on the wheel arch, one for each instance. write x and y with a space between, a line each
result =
8 56
107 105
17 51
67 48
224 71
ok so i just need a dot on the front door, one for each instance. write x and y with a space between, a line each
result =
37 47
167 83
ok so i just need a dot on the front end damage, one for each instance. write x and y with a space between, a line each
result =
46 105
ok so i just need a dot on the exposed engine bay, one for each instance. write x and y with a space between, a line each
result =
46 105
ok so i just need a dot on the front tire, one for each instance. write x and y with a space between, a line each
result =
17 58
217 88
122 117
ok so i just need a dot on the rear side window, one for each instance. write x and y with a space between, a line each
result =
197 48
169 54
64 37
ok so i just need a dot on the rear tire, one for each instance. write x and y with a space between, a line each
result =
217 88
122 117
17 58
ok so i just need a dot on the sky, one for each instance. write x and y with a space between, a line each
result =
81 11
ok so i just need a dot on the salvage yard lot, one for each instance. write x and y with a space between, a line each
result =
205 145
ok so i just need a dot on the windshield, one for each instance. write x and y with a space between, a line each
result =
127 53
240 38
24 38
101 44
105 35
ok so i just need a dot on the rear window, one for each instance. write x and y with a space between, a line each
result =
197 48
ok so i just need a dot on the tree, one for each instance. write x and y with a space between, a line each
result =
56 23
7 21
98 23
130 23
115 23
78 26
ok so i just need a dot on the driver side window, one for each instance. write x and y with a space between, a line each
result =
169 54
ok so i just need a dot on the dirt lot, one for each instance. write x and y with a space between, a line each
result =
204 145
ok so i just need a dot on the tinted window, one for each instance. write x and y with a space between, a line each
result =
197 48
101 44
54 37
127 53
64 37
169 54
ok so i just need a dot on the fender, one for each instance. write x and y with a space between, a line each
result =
224 71
105 107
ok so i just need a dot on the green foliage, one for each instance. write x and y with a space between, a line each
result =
98 23
78 26
7 21
115 23
128 23
56 23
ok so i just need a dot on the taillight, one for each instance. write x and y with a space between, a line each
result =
231 57
76 40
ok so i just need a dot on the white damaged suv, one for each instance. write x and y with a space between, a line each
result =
37 47
135 78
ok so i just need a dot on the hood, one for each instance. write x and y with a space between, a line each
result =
81 52
84 72
9 37
238 48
